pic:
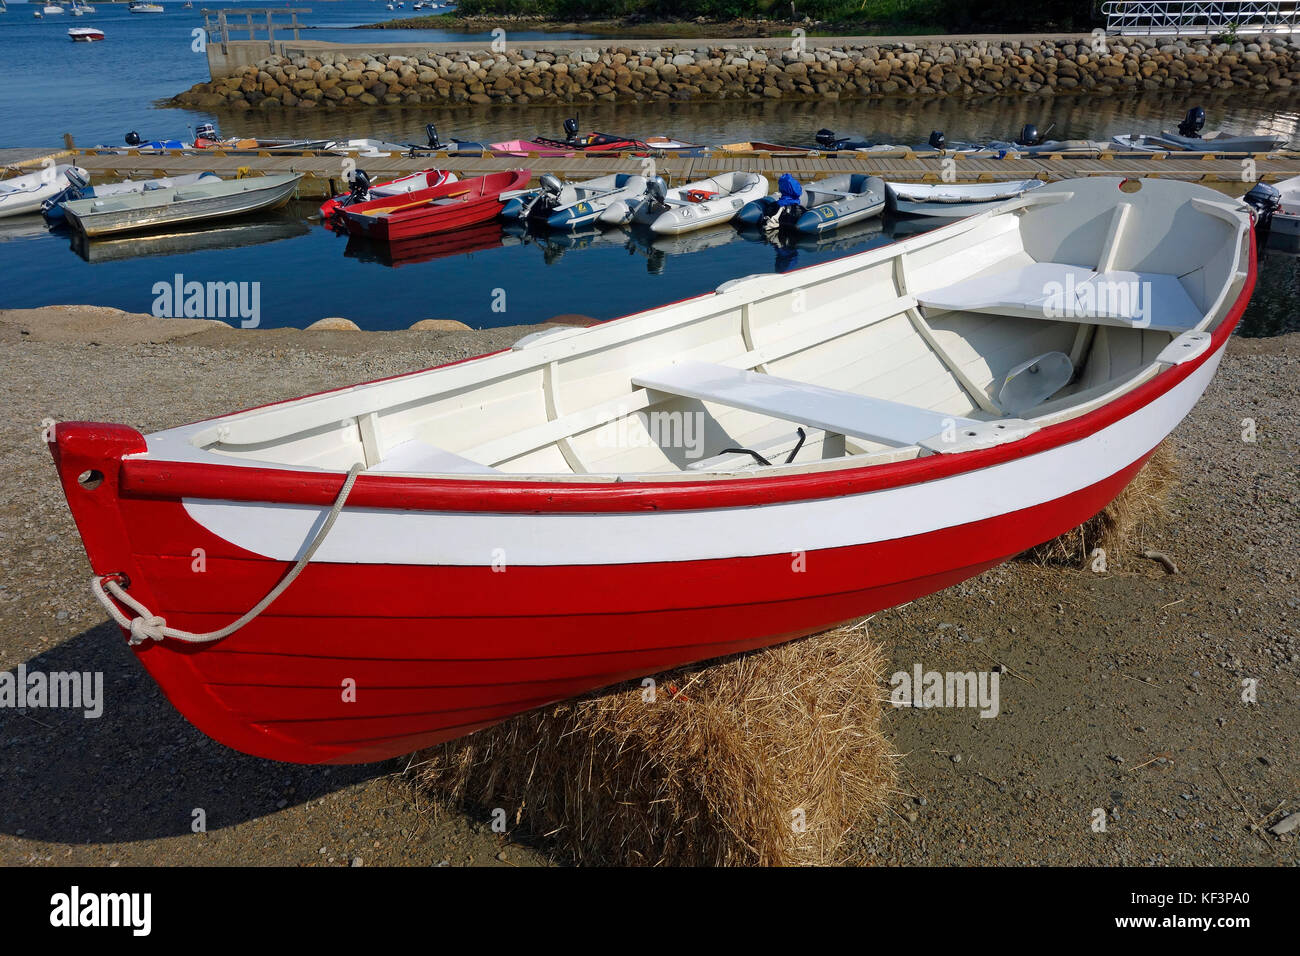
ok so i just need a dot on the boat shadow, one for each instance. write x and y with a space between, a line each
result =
139 771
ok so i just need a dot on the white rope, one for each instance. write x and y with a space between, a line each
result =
150 626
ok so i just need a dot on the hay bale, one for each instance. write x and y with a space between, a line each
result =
767 758
1120 527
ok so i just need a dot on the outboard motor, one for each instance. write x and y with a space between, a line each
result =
74 176
938 140
1265 200
551 183
826 138
548 197
1029 136
657 190
789 206
1193 123
133 138
358 188
431 132
206 131
571 128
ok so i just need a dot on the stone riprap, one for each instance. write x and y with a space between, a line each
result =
628 73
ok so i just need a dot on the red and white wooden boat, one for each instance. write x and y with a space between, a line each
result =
521 527
402 186
426 211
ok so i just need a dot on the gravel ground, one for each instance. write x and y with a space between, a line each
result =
1122 691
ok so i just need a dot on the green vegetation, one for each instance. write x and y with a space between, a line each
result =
944 15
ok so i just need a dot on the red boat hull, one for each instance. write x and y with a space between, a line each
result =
443 208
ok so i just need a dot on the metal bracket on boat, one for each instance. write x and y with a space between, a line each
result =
547 335
1186 347
732 284
972 436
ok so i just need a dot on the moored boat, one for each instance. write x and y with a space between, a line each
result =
573 144
85 34
143 6
363 191
562 205
819 207
204 200
952 200
25 194
1286 219
1189 138
79 188
452 205
893 439
695 205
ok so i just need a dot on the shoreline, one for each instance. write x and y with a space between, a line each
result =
1106 672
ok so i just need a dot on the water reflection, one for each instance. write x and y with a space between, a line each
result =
251 231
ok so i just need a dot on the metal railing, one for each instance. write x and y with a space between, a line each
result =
218 26
1201 17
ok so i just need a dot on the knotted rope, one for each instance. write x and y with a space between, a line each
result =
150 626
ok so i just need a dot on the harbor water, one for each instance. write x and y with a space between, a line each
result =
492 275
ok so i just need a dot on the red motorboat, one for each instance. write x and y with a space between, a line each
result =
426 211
364 572
362 190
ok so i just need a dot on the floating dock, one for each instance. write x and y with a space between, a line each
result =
325 173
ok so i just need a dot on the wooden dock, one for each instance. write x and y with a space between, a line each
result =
325 173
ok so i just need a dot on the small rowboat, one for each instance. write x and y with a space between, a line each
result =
362 191
52 208
706 202
823 206
390 565
26 193
1190 138
85 34
198 202
452 205
571 206
952 200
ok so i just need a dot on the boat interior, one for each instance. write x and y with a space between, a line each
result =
1039 310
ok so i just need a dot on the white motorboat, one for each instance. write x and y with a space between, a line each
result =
705 202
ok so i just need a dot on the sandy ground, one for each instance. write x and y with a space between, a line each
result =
1122 692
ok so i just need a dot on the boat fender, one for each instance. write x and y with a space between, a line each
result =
1034 382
